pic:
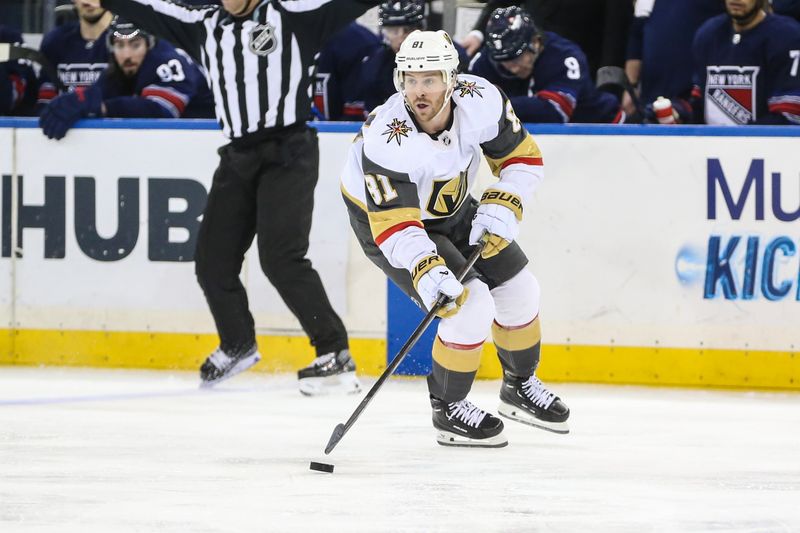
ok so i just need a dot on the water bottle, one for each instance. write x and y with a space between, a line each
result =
663 109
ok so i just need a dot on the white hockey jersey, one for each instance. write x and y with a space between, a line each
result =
401 176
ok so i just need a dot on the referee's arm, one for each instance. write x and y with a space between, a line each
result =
177 23
333 14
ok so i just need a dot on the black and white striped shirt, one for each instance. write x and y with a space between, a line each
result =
259 67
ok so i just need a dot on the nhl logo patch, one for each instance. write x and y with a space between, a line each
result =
262 39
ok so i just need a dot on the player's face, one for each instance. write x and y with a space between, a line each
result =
89 11
521 66
425 92
239 8
742 9
395 35
129 54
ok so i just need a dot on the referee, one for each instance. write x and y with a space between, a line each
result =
259 58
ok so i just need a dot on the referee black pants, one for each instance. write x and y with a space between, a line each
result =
265 189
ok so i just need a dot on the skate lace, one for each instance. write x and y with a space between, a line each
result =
538 393
323 359
220 359
467 412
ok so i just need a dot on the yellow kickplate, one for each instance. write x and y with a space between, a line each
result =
592 364
178 351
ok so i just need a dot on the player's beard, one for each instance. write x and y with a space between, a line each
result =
126 69
94 19
428 111
126 83
747 18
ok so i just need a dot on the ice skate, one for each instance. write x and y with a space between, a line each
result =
464 424
220 365
527 400
331 373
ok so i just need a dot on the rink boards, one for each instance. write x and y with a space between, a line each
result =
665 255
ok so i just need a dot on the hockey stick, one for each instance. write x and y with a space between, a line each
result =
340 429
11 52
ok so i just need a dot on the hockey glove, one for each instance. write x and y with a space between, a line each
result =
498 216
65 110
431 278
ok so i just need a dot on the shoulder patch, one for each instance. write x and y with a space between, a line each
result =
469 88
396 129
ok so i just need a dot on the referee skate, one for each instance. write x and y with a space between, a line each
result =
220 365
333 373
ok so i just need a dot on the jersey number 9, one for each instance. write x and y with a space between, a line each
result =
573 68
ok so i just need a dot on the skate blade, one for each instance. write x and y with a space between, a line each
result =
346 383
238 368
445 438
518 414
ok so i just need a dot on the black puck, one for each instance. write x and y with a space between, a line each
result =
321 467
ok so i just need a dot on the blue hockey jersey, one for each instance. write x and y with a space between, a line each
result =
79 62
376 83
168 85
338 74
17 80
752 77
662 40
559 90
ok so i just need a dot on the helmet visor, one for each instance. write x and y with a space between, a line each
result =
429 82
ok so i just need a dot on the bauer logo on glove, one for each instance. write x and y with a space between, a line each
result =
506 199
433 279
498 216
425 265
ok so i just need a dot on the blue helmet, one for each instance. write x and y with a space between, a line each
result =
509 32
402 13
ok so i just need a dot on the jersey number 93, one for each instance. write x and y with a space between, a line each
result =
171 71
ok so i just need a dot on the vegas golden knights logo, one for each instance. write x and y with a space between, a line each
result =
447 195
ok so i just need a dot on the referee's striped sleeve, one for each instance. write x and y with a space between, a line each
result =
176 23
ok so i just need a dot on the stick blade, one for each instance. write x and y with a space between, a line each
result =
336 436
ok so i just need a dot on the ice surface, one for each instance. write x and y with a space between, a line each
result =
124 451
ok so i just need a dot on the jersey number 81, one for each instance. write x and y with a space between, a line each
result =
379 188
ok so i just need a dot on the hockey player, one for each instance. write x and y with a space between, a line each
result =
406 186
747 67
77 50
598 27
17 80
659 43
339 74
147 78
397 19
545 76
